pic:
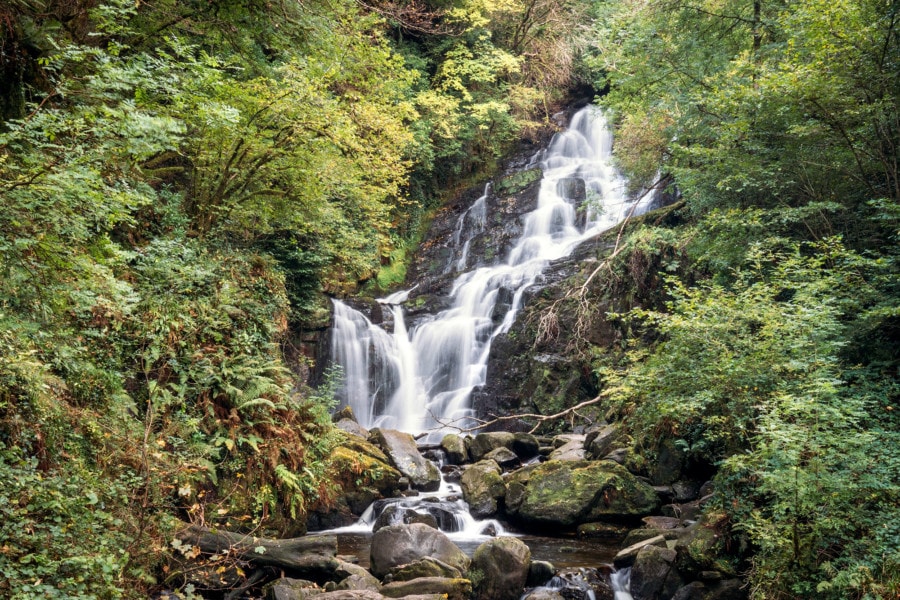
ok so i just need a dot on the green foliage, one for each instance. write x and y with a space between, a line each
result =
60 536
182 182
753 375
759 103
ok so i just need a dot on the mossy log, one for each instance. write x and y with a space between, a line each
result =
312 556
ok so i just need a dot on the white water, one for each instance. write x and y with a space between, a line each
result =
422 380
620 581
448 501
621 584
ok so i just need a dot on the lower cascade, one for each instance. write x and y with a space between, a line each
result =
421 380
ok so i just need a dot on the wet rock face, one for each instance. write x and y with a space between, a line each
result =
513 194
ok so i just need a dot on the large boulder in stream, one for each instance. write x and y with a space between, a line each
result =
500 569
454 448
483 487
568 493
403 453
654 574
402 544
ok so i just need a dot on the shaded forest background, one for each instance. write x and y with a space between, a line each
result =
182 185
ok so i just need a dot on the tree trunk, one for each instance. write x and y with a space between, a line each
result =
312 557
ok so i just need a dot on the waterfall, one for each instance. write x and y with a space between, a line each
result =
422 379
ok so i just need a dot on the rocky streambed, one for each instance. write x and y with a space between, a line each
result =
493 516
512 515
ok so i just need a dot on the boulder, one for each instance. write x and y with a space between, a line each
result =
483 443
727 589
689 511
354 577
627 556
572 189
695 590
539 573
402 544
451 473
685 491
359 582
286 588
620 455
506 458
363 473
449 588
698 545
401 449
573 449
482 487
656 522
600 442
568 493
426 567
394 514
353 428
500 569
653 575
344 414
454 449
670 461
516 485
525 445
562 439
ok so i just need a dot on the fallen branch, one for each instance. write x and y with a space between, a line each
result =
310 556
539 418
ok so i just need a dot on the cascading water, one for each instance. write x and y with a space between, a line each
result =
422 380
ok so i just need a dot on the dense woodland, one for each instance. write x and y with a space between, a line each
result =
182 185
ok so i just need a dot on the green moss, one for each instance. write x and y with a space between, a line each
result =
518 181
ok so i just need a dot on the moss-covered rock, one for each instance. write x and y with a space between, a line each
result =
700 546
355 469
483 443
567 493
401 449
483 487
454 448
501 566
517 181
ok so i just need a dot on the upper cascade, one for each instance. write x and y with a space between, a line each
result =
422 379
